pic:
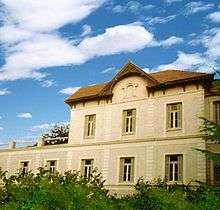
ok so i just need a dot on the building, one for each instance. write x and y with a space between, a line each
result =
137 125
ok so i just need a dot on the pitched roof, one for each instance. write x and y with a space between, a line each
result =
155 80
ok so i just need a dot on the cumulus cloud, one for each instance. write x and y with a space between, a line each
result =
34 42
215 16
69 90
4 91
206 61
197 6
25 115
170 41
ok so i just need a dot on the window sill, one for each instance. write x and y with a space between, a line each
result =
128 134
126 183
174 129
89 137
175 183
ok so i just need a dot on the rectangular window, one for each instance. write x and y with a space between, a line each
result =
216 112
24 166
126 169
87 168
174 168
129 121
52 166
90 121
174 116
216 174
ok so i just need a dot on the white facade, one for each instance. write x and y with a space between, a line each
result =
148 146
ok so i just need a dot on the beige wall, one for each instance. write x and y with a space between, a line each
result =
149 158
150 114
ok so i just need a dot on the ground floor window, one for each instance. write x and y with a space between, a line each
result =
24 166
52 166
126 169
216 174
87 168
174 168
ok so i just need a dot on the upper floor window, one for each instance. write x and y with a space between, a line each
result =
24 166
52 166
129 121
90 121
216 112
174 116
174 167
87 168
126 169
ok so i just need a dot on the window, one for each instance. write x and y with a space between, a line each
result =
216 174
90 125
129 121
126 169
24 166
216 112
52 166
174 167
87 168
174 116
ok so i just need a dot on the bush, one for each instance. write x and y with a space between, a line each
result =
70 191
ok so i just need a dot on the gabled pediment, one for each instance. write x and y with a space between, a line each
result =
129 69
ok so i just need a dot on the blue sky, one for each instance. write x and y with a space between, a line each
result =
50 48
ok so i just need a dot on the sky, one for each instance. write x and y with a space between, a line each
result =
49 49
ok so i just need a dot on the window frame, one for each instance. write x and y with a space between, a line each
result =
180 163
216 118
132 122
23 169
90 128
175 118
90 167
122 173
55 168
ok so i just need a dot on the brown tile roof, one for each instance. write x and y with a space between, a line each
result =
157 79
174 75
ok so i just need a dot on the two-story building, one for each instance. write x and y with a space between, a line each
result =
136 125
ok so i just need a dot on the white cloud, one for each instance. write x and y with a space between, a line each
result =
25 115
172 1
4 91
34 42
86 30
170 41
49 15
45 126
132 6
107 70
1 128
47 83
159 20
69 90
185 61
215 17
197 6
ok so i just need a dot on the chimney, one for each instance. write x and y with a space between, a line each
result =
40 142
12 145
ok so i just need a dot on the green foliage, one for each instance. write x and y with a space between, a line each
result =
70 191
59 130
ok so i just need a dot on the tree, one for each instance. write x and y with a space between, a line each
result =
58 131
212 129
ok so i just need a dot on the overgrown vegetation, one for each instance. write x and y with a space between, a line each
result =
46 191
